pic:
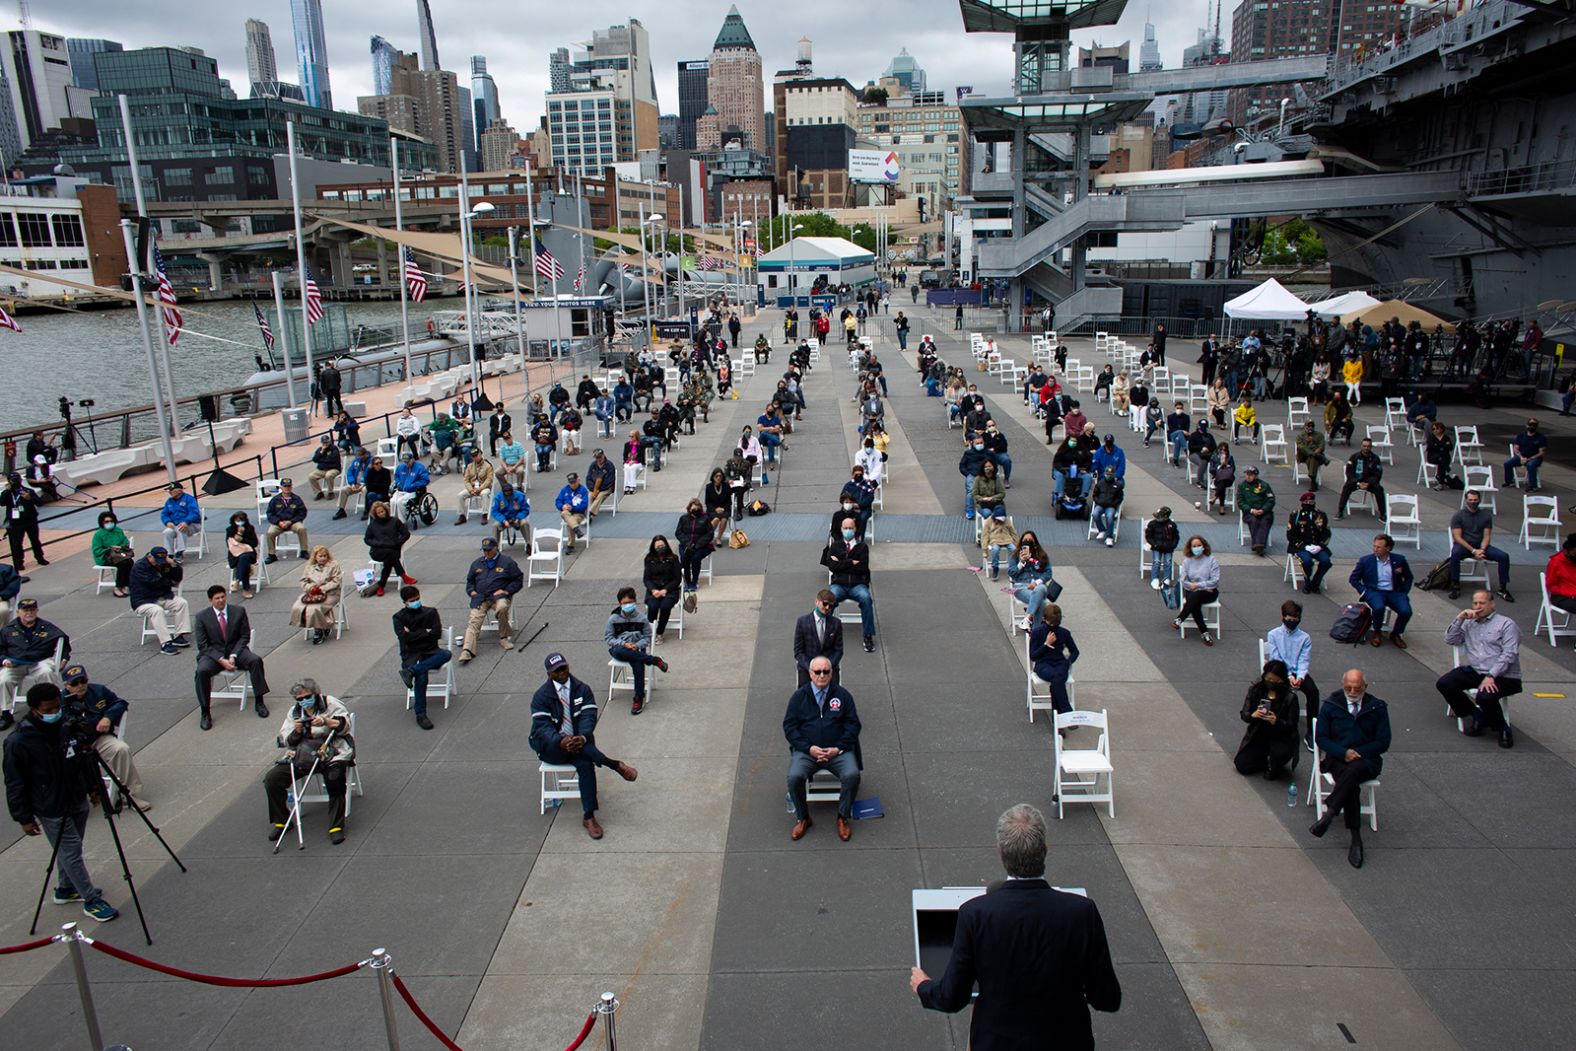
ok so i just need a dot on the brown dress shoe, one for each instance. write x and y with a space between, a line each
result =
1400 643
1376 640
800 827
845 830
627 772
593 829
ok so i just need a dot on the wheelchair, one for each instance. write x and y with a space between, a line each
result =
421 509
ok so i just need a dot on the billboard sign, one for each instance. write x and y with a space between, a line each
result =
872 166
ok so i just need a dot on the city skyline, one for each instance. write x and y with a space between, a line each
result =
931 31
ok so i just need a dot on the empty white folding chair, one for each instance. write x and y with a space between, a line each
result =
1469 450
1553 620
1293 573
1320 785
1540 521
1081 771
1427 473
1296 413
1403 519
440 683
1198 399
1383 447
388 449
1394 413
1480 479
546 560
1273 448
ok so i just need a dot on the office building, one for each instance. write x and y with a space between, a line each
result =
735 91
37 69
1201 107
467 115
692 98
1264 30
429 36
1115 58
499 143
82 51
590 129
484 97
905 70
1149 50
608 114
423 102
383 56
311 44
925 130
668 131
558 71
821 118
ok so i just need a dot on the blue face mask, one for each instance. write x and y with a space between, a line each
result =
1198 549
848 534
629 609
51 718
413 605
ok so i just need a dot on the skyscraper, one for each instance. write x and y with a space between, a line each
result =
81 51
37 69
734 88
261 68
466 113
311 43
558 70
484 98
905 70
692 99
424 102
383 56
1149 52
429 35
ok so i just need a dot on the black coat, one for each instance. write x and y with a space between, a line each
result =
39 781
1284 707
663 573
849 567
418 631
385 537
1040 959
808 645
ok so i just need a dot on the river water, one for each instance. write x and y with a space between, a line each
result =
99 355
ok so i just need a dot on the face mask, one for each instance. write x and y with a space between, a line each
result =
979 446
416 604
238 522
109 523
51 718
1291 623
628 608
848 534
1198 549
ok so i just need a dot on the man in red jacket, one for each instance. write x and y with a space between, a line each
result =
1561 573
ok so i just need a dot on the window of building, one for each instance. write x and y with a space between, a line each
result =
177 176
7 231
223 175
68 231
35 230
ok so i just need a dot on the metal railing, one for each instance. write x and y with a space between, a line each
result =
1546 177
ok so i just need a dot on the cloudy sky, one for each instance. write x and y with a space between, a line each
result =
855 41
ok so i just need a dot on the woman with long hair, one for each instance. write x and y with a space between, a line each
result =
240 550
385 538
663 577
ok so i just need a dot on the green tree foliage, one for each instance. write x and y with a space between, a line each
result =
1295 243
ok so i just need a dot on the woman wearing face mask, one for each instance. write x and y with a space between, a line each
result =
1030 573
872 460
1269 744
112 547
385 538
321 583
240 543
663 578
1052 653
693 534
751 445
627 636
1200 577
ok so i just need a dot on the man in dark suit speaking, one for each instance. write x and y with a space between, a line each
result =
223 637
818 634
1038 955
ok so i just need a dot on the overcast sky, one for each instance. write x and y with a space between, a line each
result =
852 40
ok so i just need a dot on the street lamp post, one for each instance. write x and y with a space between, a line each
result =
793 276
519 325
467 213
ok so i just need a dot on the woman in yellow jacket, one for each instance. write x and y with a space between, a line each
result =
1245 419
1352 373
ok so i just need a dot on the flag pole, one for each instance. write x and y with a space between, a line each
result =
558 315
404 293
519 325
166 410
284 344
147 343
465 272
295 200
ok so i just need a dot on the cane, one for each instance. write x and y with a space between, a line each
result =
295 793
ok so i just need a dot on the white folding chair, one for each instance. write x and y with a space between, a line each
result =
1469 450
1480 479
479 504
106 579
1427 473
441 684
1473 571
1553 620
1296 414
1321 784
1293 571
1145 564
1540 521
1211 620
341 620
546 560
236 685
352 782
18 699
1363 499
1456 661
1198 399
387 450
267 489
558 784
1273 446
1039 691
1403 519
621 675
1383 447
1394 413
1079 771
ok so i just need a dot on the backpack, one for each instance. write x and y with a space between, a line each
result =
1351 627
1437 579
759 507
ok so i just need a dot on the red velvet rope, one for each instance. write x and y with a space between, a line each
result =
26 946
421 1016
209 979
585 1031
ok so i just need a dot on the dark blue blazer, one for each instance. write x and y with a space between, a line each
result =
1368 733
1365 574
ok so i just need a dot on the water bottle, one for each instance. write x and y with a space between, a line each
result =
1291 794
289 799
789 796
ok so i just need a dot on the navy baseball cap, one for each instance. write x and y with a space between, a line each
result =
555 661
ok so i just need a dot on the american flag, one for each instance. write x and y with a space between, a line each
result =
580 278
708 262
546 264
262 326
172 316
314 300
7 321
415 280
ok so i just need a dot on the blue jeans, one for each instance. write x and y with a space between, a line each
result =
544 454
585 763
968 495
1495 555
418 674
801 768
653 447
1531 467
996 551
1178 441
604 426
1061 485
1160 566
243 569
770 442
1032 595
1004 462
637 661
71 872
1105 519
1379 601
860 593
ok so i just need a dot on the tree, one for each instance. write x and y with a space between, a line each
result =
875 96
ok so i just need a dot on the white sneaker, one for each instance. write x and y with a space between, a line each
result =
1154 583
1099 534
1110 542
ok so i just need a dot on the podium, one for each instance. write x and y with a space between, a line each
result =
935 914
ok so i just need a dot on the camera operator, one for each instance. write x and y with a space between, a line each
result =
48 791
99 711
27 654
307 730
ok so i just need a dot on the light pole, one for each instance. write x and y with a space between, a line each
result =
467 213
519 326
741 233
793 276
1283 104
645 276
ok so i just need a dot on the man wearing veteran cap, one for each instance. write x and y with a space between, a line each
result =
491 584
181 518
97 706
563 732
27 655
155 596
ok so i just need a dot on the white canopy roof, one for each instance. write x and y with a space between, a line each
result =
1269 302
1344 305
805 250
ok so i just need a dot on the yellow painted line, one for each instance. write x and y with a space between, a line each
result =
1555 696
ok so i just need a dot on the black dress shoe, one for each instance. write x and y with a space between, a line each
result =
1354 854
870 643
1320 827
275 833
205 721
262 710
1475 729
1506 738
424 722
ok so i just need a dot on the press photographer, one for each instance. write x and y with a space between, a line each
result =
98 711
317 732
47 788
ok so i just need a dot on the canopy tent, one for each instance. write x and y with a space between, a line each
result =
830 253
1402 311
1344 306
1269 302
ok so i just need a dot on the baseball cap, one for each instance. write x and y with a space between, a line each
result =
572 476
1250 469
555 661
283 482
28 603
74 672
158 554
488 543
998 512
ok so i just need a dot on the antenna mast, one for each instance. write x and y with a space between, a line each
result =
24 15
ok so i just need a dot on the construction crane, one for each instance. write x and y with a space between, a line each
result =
23 14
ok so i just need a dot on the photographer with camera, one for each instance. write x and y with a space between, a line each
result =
47 790
27 654
98 711
317 732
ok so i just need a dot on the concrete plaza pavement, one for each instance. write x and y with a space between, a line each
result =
1231 927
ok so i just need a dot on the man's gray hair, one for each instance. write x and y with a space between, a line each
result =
1020 840
307 686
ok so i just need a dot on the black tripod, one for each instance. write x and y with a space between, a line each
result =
90 769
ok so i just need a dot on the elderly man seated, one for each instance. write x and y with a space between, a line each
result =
27 655
316 730
96 705
1492 668
822 727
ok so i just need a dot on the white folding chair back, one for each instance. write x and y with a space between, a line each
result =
387 450
1296 413
1321 784
1540 521
106 579
1482 480
1198 399
1383 446
1039 691
1081 771
546 560
1403 519
1394 413
352 780
443 683
1293 571
1552 620
1469 450
267 489
1273 444
1145 552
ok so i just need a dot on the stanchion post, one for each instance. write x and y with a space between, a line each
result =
85 991
607 1007
383 964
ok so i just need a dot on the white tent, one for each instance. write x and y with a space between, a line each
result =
1344 305
1269 302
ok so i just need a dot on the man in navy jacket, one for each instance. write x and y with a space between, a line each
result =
822 727
1353 736
563 733
1383 580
